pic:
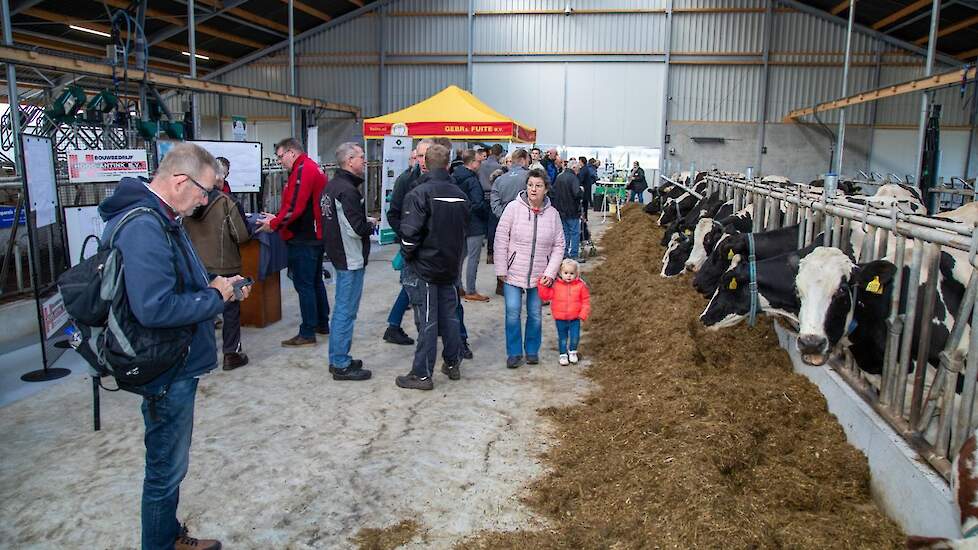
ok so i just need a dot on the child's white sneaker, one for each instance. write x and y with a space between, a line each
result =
573 357
563 359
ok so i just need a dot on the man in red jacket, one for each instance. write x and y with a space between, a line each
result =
298 222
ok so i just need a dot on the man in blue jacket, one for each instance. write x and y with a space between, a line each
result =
152 266
467 178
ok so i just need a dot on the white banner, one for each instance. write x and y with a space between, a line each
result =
397 154
106 165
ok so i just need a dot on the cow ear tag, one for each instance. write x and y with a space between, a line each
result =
730 254
688 232
733 284
875 286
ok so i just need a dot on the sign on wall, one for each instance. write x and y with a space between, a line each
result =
106 165
244 157
239 128
397 154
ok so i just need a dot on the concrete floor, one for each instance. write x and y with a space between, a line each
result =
285 457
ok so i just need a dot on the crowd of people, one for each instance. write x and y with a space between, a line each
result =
526 207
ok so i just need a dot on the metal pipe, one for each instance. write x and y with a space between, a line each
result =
382 67
966 406
18 268
666 83
873 105
971 135
841 134
765 78
923 343
192 36
891 369
906 340
470 17
925 98
292 113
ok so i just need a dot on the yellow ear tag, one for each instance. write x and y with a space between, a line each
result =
733 284
688 232
875 286
730 254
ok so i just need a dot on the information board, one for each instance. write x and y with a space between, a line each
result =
82 222
397 154
86 166
39 172
244 156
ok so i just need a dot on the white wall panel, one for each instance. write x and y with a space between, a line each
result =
896 151
706 32
532 93
708 92
409 84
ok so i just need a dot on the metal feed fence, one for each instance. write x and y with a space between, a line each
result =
935 420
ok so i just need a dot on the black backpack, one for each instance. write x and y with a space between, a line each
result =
108 336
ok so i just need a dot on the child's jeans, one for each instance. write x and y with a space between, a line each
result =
568 330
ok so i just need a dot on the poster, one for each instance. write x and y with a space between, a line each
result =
244 175
54 314
80 223
312 143
239 128
39 172
397 153
106 165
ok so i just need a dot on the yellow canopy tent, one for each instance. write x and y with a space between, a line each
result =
453 113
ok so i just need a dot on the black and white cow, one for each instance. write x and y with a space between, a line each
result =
682 240
711 231
674 209
674 259
707 206
964 491
731 302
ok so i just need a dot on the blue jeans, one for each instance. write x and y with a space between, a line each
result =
346 303
306 266
435 313
572 237
568 330
400 307
513 295
639 194
167 442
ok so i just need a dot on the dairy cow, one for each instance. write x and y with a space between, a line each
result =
709 232
682 241
734 247
676 208
964 491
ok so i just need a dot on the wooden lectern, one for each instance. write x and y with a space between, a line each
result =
264 306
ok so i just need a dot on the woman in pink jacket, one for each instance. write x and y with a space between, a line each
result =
529 246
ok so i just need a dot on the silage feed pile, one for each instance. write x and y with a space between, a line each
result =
692 438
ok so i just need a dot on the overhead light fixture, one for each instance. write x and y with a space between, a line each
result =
90 31
197 55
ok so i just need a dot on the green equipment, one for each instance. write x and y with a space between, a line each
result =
102 104
64 109
174 129
148 129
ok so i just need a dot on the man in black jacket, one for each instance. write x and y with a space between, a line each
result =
467 178
346 236
404 183
432 233
566 196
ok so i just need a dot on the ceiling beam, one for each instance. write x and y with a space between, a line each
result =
248 16
942 80
67 20
226 11
900 14
963 24
19 7
73 46
840 7
27 58
968 54
182 23
310 10
357 3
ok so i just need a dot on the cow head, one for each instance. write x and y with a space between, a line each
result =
674 260
825 286
671 230
731 300
705 236
726 252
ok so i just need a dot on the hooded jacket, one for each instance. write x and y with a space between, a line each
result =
345 226
566 195
468 182
568 301
436 214
531 241
298 218
150 273
216 229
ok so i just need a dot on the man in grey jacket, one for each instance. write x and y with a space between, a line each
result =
508 186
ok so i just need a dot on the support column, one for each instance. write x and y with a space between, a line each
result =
925 98
971 137
381 72
663 151
874 106
762 108
292 114
840 143
468 54
12 96
192 34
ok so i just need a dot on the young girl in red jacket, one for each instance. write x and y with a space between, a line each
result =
570 303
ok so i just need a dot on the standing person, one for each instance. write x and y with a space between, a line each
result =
404 184
637 184
566 196
467 179
508 186
570 303
216 229
297 222
436 214
482 153
158 262
536 158
550 164
588 178
531 240
347 241
226 169
488 166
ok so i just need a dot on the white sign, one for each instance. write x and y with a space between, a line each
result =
39 172
312 142
397 154
245 159
82 222
108 165
54 314
239 128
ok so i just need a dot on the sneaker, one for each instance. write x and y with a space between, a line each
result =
234 360
532 359
452 371
351 373
322 330
563 360
412 382
186 542
396 335
466 350
475 297
298 341
573 357
355 364
514 361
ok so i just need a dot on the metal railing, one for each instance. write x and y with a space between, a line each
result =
935 420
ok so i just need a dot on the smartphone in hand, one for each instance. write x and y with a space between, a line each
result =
239 285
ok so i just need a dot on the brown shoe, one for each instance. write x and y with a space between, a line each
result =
298 341
234 360
186 542
475 297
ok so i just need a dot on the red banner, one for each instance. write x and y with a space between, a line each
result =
502 131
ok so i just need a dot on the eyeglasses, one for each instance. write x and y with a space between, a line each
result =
203 190
282 154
